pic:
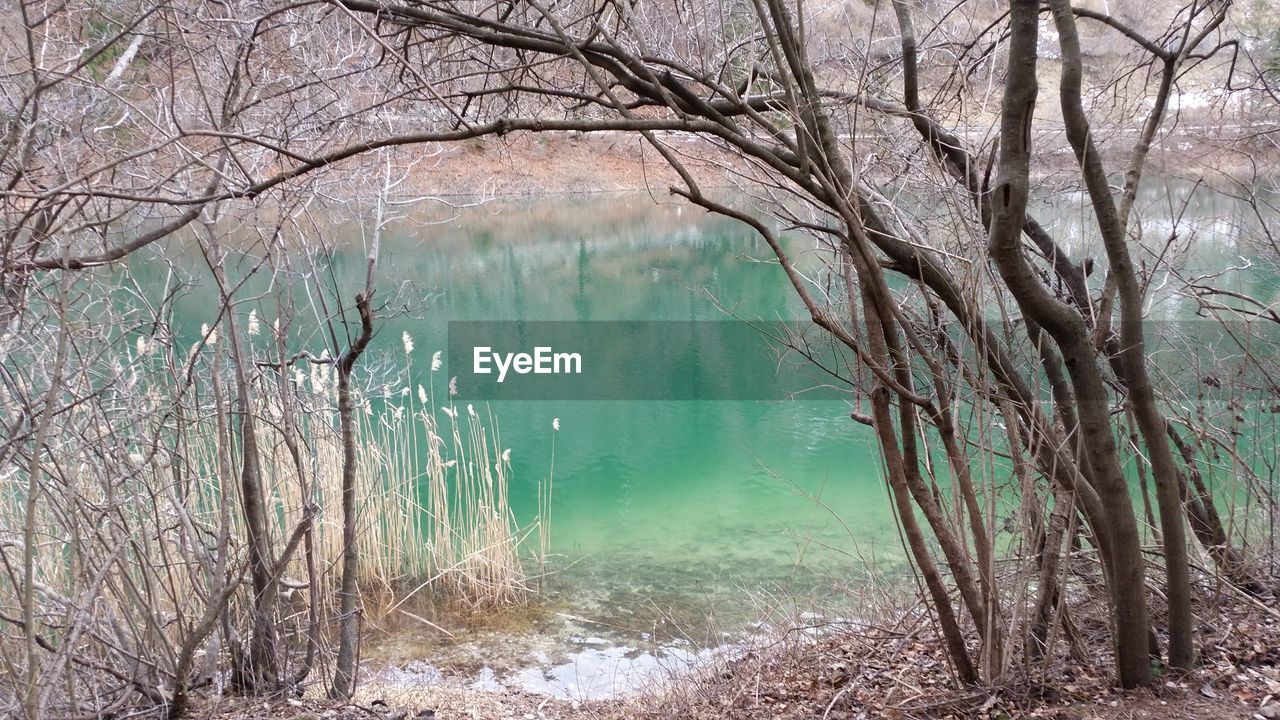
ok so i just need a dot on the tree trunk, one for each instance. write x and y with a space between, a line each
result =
259 671
344 675
1132 351
1117 528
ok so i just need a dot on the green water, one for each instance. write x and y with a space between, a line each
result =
671 499
689 516
670 520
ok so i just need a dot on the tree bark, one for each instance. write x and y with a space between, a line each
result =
344 676
1132 360
1123 561
259 671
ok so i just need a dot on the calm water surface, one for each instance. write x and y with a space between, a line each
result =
674 524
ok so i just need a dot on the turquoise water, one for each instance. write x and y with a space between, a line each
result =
671 521
676 497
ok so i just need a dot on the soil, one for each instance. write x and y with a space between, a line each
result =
522 165
898 670
559 163
442 703
891 669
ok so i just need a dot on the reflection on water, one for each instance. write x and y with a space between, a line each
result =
674 524
669 518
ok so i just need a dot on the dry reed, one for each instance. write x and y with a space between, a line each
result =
436 513
139 523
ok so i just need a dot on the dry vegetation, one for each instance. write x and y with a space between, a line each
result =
141 523
892 667
895 669
187 514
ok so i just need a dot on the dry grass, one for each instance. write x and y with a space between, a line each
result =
435 511
894 666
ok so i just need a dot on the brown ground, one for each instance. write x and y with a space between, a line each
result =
568 163
438 701
899 671
527 164
891 670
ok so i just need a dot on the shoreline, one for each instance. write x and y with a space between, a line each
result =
573 164
890 667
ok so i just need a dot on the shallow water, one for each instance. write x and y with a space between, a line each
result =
675 524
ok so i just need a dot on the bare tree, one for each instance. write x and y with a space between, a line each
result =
881 142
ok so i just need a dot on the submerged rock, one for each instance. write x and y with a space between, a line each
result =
414 672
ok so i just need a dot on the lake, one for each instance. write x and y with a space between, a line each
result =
675 524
